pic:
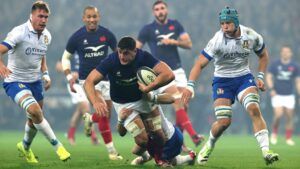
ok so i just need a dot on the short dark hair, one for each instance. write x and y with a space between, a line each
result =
40 5
159 2
127 42
90 7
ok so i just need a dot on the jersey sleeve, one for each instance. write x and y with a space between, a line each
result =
258 45
14 37
143 36
105 65
210 50
180 28
150 60
71 45
297 71
112 41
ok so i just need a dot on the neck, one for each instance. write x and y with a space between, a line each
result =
163 22
285 61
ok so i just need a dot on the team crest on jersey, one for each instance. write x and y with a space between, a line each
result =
102 39
46 39
21 85
245 44
171 27
220 91
118 74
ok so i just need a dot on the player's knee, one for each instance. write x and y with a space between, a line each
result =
155 124
32 108
253 110
142 139
251 102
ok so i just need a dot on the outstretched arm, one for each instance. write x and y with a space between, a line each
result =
95 99
200 63
262 67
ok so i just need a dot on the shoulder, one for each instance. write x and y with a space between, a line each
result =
218 37
78 33
249 31
104 29
20 30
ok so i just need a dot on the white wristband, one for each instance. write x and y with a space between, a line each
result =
46 76
69 77
191 89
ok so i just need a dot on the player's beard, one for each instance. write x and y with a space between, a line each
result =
161 18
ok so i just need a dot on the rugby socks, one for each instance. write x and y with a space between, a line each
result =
71 133
182 159
45 128
274 130
288 133
28 136
183 121
110 148
104 128
211 140
95 118
263 139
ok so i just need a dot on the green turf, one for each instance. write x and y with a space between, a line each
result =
231 152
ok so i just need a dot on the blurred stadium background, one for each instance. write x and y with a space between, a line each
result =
277 20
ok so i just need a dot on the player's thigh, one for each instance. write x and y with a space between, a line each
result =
278 111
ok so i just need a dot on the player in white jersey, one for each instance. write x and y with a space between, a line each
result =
230 49
26 46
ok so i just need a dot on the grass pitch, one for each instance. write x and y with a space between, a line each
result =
231 152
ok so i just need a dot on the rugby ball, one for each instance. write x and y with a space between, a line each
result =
146 75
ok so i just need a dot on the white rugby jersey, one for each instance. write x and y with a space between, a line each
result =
231 54
167 126
26 53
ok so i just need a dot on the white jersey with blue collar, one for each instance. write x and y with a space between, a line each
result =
25 53
231 55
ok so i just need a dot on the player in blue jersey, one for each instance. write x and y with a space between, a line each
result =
167 156
230 49
92 42
79 100
164 36
27 45
282 77
125 91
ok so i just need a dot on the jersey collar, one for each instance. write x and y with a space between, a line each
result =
30 27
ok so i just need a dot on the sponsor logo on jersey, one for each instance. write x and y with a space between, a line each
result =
160 37
35 51
85 42
156 32
95 52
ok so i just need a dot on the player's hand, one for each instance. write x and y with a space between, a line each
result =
101 108
124 113
4 71
168 42
71 83
260 84
46 79
144 88
186 96
273 93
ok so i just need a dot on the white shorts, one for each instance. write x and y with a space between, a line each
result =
79 96
287 101
138 107
102 86
179 81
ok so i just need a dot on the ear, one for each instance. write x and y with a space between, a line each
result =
30 16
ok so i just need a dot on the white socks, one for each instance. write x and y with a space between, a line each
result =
28 136
110 147
45 128
211 140
262 138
